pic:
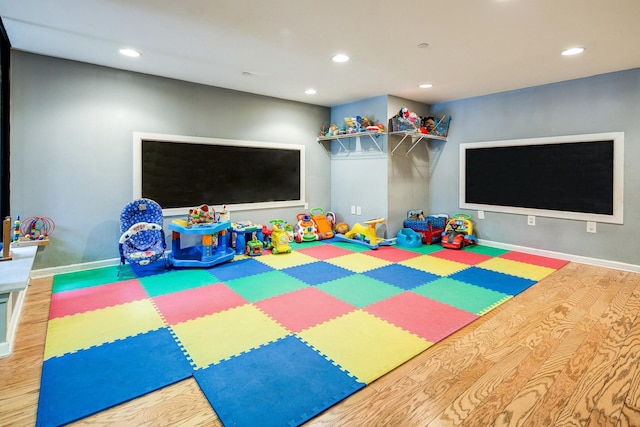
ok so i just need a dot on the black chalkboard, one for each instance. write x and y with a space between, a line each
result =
571 175
182 175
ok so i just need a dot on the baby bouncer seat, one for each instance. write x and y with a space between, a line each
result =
142 241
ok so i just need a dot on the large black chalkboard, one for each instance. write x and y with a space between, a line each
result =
574 176
183 174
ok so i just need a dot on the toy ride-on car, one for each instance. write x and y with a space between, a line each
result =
459 232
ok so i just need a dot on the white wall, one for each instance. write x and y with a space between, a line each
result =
72 128
605 103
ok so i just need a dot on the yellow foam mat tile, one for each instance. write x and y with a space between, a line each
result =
285 260
516 268
84 330
358 262
430 264
219 336
364 345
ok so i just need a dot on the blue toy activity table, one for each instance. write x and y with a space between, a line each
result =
211 250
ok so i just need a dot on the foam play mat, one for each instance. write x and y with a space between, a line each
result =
271 340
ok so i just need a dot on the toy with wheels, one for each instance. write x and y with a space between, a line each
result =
366 235
324 227
305 230
254 247
459 232
280 237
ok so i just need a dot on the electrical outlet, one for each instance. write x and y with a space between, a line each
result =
353 210
591 227
359 210
531 220
306 205
480 214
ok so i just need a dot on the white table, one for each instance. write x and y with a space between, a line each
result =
14 278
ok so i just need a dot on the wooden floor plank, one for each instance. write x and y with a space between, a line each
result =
564 352
609 406
589 388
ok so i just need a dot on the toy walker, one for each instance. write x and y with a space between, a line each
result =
459 232
281 237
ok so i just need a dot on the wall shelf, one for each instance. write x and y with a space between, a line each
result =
339 138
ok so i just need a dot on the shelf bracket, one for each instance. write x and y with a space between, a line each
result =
416 142
399 143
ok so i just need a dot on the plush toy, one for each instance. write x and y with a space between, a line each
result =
342 228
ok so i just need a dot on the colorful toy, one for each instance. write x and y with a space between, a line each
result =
305 230
408 238
342 228
459 232
16 229
280 237
243 232
254 247
331 218
323 225
366 235
430 227
36 228
201 215
211 250
142 240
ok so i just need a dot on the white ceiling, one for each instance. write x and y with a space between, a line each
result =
476 47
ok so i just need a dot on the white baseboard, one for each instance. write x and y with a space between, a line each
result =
567 257
5 349
46 272
72 268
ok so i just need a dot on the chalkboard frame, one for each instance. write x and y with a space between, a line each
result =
617 190
140 137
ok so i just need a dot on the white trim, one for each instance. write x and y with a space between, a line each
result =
72 268
47 272
618 177
567 257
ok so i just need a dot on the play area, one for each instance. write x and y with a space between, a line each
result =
273 326
206 238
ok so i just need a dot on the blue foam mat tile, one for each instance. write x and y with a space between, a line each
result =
317 272
283 383
493 280
89 381
157 267
401 276
237 269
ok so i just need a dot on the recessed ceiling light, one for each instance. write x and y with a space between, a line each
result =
572 51
423 45
341 57
130 52
310 91
425 86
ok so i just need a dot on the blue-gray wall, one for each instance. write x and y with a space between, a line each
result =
71 152
605 103
72 129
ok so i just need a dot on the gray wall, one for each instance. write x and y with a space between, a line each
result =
605 103
71 152
71 144
359 174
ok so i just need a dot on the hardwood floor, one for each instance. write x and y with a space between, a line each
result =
565 352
